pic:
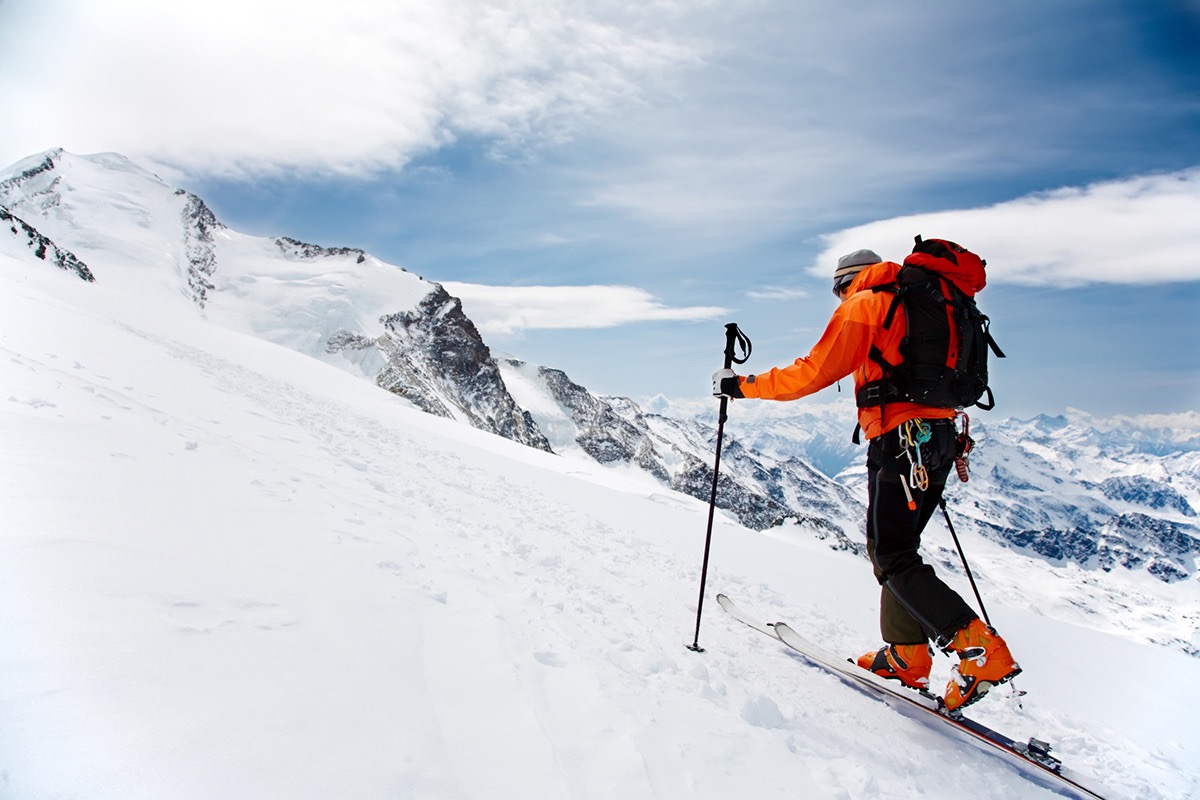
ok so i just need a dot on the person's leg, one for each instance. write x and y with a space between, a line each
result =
906 656
896 625
912 591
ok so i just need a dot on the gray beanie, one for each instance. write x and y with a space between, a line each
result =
850 265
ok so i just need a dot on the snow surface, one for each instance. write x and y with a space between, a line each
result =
228 569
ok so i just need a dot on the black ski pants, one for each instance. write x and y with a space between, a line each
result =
915 606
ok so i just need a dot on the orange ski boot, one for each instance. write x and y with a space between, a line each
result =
984 662
908 663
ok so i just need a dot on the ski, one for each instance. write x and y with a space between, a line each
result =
1031 758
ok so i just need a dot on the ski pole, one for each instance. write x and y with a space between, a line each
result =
963 557
733 337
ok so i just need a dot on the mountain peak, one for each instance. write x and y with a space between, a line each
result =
33 164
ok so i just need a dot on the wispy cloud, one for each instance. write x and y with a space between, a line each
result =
248 88
1140 230
769 294
510 309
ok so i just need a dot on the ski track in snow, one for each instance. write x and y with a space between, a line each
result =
227 570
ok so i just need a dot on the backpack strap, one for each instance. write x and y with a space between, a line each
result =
894 288
875 393
987 337
995 348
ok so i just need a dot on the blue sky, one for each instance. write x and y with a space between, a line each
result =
695 162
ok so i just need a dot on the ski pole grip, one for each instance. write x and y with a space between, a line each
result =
735 339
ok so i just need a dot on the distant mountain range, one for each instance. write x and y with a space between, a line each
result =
1077 498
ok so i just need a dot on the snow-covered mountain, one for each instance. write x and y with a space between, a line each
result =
1074 493
762 491
127 227
1107 513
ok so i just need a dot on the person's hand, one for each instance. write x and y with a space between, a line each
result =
725 384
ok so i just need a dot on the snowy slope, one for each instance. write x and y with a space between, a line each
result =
230 570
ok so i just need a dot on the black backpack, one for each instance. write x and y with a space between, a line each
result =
945 346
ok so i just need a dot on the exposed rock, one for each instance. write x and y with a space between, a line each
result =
298 249
437 360
199 251
43 248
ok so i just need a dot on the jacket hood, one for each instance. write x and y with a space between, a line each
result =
874 275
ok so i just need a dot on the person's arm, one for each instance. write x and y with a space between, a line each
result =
841 349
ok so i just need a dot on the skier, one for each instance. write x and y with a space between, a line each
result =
911 450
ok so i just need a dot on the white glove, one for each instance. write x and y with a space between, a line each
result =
723 376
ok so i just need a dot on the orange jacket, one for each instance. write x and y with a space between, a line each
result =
844 348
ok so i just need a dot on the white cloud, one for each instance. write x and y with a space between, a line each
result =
509 309
249 87
1140 230
768 294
